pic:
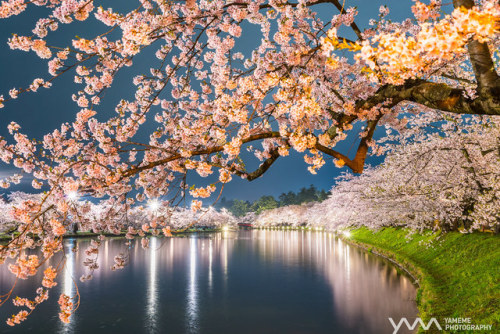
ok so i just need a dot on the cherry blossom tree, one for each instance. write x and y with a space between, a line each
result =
298 89
286 216
105 217
447 181
5 217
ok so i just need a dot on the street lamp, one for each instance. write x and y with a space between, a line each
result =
72 196
154 205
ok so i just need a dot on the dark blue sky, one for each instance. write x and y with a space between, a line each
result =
41 112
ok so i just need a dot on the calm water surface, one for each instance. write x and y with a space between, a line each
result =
254 281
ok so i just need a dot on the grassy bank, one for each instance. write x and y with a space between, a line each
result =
458 274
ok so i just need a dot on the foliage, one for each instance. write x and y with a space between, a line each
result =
264 203
237 207
441 181
305 195
240 208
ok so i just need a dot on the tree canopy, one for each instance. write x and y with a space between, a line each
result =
432 182
305 195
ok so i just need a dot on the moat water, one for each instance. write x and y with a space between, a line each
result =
247 281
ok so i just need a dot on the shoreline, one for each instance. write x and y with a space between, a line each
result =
457 275
413 273
4 238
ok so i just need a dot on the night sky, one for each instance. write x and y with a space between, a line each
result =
41 112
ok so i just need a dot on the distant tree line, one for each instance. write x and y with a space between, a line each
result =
240 208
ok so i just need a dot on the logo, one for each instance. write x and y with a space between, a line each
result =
417 322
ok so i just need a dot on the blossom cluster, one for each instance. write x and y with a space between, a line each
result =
409 52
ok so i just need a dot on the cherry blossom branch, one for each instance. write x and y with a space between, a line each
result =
487 77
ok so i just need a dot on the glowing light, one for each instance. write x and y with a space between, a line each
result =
346 234
225 228
154 205
73 195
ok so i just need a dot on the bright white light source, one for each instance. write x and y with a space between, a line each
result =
73 196
225 228
154 205
346 234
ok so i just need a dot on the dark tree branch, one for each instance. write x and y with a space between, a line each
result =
334 154
438 96
264 166
358 163
353 25
452 77
256 173
209 150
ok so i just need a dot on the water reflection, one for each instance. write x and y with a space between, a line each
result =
192 293
210 260
365 289
68 283
256 281
152 293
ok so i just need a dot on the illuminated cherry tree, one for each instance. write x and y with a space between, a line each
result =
446 181
303 87
286 216
5 217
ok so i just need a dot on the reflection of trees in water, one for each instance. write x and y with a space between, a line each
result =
165 257
68 283
364 287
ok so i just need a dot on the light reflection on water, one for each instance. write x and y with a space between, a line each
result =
192 293
256 281
210 260
152 292
68 283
